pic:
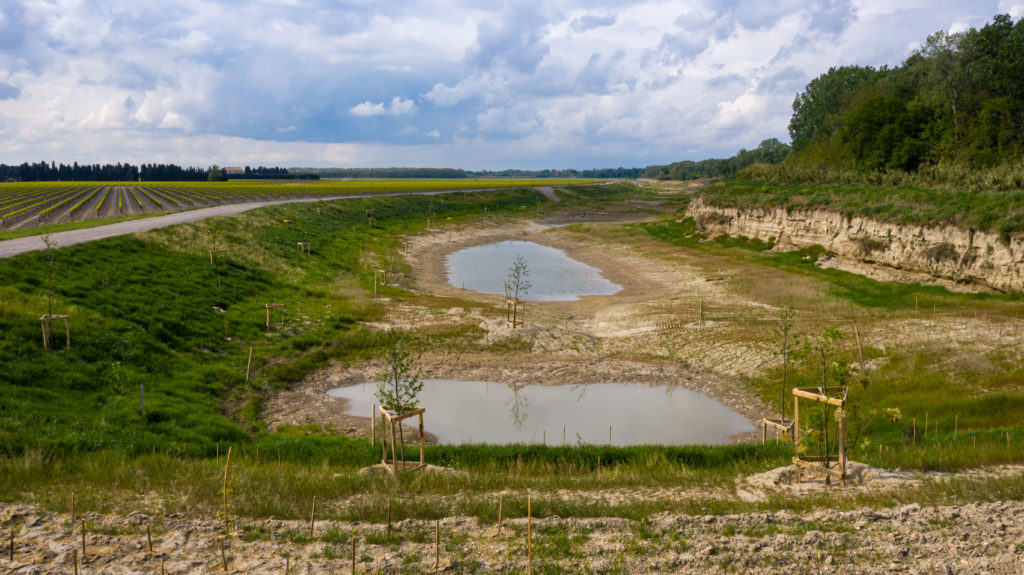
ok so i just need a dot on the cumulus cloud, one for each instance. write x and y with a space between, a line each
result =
397 107
516 83
589 22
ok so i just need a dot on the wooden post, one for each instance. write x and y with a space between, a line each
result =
373 425
796 420
437 545
501 503
529 536
74 559
248 366
11 555
394 453
422 450
73 516
842 449
83 539
353 552
223 555
312 517
764 432
149 539
609 436
227 520
956 418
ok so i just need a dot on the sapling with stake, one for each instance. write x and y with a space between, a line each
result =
399 383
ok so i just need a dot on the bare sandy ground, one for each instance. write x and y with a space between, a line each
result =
598 339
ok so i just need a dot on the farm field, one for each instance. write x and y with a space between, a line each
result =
938 483
38 203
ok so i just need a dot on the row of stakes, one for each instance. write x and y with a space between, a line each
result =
77 560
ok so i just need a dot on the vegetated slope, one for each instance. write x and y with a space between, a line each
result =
152 310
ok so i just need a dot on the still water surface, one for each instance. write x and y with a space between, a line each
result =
554 275
486 412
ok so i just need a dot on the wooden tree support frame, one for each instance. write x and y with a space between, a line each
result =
390 419
513 318
834 396
380 279
304 247
214 252
783 429
288 224
47 321
271 324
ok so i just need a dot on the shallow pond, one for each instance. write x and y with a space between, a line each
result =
483 412
554 276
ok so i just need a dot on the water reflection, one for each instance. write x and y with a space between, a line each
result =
517 405
480 412
554 276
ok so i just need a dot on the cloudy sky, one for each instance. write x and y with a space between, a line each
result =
475 84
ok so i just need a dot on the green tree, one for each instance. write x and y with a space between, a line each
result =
786 342
825 96
216 174
821 355
399 385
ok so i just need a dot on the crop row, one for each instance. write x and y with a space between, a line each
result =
22 202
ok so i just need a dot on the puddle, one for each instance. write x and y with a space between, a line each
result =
554 276
487 412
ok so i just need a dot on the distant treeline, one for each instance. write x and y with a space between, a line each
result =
452 173
363 173
43 172
770 151
49 172
620 172
959 99
264 173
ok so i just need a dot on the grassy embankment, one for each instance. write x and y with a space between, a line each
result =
142 314
146 311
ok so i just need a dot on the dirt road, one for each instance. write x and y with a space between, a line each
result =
14 247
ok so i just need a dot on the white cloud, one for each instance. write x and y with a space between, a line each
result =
551 83
397 107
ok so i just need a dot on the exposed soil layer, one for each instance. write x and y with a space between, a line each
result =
972 538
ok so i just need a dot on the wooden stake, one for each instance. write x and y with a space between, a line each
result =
149 539
223 555
162 571
353 552
227 521
74 559
437 545
925 434
11 555
373 425
501 503
974 442
389 517
287 564
312 517
83 539
609 436
248 366
72 509
955 422
529 536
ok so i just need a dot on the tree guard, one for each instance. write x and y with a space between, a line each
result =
390 419
833 396
47 321
275 324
